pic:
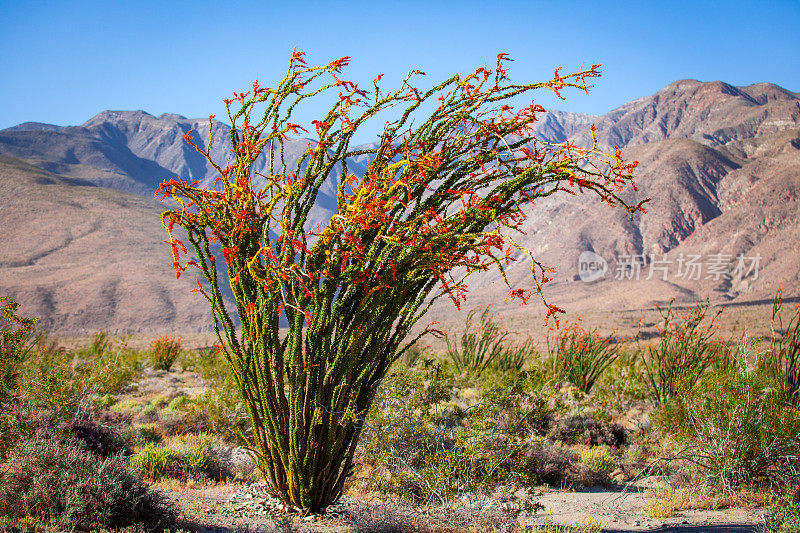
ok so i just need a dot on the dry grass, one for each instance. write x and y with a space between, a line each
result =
666 502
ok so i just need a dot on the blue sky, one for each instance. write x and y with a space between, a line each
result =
63 62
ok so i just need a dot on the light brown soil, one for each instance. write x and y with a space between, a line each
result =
228 508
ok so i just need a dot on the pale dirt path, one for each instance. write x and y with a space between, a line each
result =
228 509
619 510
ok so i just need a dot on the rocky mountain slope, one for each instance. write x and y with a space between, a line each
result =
82 248
86 258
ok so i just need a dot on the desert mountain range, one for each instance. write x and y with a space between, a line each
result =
82 248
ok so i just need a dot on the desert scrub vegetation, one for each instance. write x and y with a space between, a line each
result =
154 460
165 351
441 198
438 432
15 345
581 355
483 345
782 362
424 446
61 484
686 347
439 428
219 410
736 426
46 389
785 520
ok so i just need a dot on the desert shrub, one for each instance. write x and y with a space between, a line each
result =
549 464
736 426
581 355
105 366
426 446
785 520
557 466
96 438
407 396
686 347
219 411
16 342
203 455
127 406
622 384
508 399
63 485
176 404
141 434
105 401
586 430
160 401
48 398
154 460
782 362
208 362
149 413
599 459
165 352
16 339
482 345
665 502
57 386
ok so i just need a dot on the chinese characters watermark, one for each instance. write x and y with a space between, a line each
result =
716 267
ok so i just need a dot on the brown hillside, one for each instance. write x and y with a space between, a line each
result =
86 258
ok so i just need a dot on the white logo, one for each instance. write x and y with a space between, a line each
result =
591 267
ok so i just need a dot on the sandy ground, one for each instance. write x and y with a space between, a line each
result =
626 510
235 508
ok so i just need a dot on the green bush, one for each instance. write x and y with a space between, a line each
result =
786 520
165 351
160 401
425 446
483 345
203 455
61 484
154 460
581 355
107 368
622 385
599 459
128 407
782 362
208 362
66 386
16 342
219 411
514 403
176 404
735 425
685 349
149 413
106 401
141 434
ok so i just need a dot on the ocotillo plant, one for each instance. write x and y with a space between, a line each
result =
441 198
581 355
